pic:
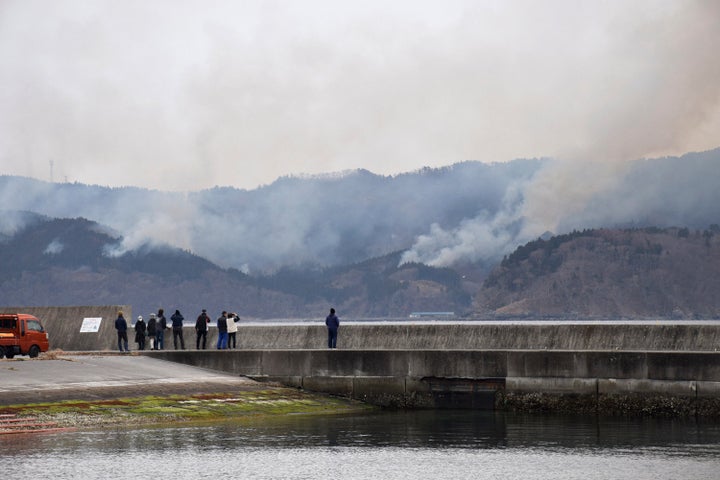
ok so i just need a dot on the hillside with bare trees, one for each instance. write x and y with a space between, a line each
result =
634 273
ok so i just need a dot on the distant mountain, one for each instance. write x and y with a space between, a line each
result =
632 273
469 213
373 245
295 221
58 262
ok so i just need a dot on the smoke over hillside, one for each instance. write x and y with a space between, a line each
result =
649 104
318 220
442 217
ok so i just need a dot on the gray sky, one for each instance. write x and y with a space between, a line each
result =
185 95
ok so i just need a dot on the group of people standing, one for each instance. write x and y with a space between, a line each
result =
227 330
154 330
156 326
226 325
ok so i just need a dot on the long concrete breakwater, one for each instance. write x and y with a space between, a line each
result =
65 328
641 367
522 335
613 382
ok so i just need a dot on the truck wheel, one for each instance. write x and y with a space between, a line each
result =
2 352
9 353
34 351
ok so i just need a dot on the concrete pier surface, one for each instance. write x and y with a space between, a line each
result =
99 377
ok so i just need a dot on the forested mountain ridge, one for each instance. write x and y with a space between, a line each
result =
380 246
632 273
58 262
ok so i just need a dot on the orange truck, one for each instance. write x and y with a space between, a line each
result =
22 334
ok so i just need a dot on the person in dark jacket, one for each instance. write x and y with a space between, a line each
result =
333 323
177 329
140 329
121 327
160 328
151 329
201 329
222 331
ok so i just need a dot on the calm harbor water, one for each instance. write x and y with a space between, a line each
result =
387 445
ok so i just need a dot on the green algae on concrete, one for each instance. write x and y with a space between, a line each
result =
149 410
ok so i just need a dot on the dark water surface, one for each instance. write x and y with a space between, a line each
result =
392 445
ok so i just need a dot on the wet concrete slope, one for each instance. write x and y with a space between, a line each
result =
94 377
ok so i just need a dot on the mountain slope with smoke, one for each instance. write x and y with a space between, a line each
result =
469 212
330 220
58 262
561 197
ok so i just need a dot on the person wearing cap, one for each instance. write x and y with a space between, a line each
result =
140 329
121 327
151 329
201 329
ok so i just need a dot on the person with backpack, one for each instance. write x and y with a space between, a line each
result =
201 329
177 329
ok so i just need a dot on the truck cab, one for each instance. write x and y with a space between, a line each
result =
22 334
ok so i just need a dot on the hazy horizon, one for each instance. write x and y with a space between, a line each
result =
185 96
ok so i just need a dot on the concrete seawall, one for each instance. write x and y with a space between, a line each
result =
631 382
658 368
641 336
63 326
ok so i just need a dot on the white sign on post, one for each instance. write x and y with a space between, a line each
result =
90 324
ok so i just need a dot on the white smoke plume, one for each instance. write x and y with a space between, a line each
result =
484 237
662 88
54 247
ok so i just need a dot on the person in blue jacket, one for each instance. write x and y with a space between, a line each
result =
121 327
333 323
222 331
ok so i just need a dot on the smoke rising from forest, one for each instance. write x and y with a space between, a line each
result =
470 212
176 99
648 105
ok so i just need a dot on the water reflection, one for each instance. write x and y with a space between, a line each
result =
418 429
